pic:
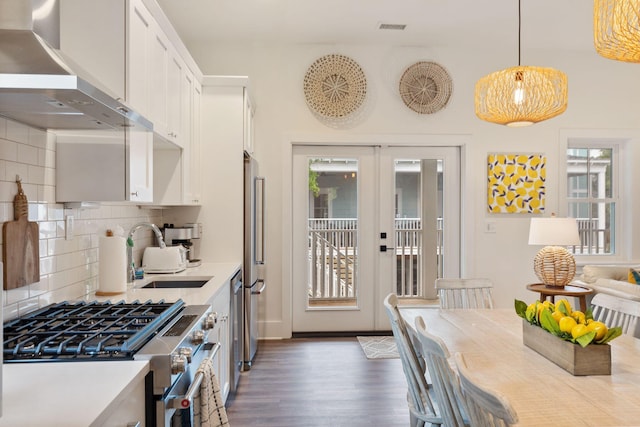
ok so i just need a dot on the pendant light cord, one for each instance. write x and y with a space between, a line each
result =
519 29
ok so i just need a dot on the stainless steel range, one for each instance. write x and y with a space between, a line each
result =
170 335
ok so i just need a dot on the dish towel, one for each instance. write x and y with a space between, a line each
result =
208 408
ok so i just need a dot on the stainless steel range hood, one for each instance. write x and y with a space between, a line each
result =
39 86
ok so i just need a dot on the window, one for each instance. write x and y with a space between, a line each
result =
592 196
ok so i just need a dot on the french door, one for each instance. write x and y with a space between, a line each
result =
369 220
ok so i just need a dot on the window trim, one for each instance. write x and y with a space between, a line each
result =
617 141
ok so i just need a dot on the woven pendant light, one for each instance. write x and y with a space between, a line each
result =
522 95
616 29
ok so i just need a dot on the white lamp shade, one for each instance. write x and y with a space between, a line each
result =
554 232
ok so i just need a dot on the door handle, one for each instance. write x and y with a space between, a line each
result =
385 248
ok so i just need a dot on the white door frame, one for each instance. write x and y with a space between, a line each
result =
427 140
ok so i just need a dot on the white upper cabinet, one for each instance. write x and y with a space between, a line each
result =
104 166
156 71
138 62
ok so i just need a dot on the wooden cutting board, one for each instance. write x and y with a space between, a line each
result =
20 250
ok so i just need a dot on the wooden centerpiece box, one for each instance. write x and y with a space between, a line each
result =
594 359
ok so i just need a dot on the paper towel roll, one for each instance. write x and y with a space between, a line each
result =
112 265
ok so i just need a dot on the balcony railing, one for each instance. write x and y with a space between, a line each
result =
333 256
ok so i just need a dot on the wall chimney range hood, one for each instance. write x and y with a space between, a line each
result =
40 87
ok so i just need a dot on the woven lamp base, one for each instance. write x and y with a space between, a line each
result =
554 266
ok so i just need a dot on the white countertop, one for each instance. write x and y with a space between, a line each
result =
70 394
218 272
82 393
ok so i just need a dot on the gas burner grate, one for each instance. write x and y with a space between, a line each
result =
85 330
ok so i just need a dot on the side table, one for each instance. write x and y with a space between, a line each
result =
579 292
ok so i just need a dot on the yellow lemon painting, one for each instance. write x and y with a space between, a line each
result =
516 183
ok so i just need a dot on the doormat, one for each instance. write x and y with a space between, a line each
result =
379 347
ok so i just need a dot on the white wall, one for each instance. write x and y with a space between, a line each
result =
68 268
603 96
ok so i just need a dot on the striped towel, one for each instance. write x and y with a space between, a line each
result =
208 408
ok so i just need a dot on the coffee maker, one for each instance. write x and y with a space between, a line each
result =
185 236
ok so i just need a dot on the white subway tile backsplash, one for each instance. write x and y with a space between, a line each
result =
27 154
17 132
55 212
39 288
46 265
35 174
47 229
13 170
48 194
28 305
37 138
16 295
68 268
8 150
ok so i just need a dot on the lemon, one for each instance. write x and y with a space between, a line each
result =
600 328
548 304
579 330
557 315
565 303
567 323
579 316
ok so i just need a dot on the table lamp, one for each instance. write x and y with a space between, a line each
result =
554 264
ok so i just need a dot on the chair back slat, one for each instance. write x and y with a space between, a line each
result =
615 311
486 408
420 403
445 381
464 293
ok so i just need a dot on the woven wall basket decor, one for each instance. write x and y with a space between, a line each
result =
425 87
335 86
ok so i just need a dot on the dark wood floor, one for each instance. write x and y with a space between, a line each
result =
319 382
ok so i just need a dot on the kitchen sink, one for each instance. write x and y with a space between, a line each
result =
184 283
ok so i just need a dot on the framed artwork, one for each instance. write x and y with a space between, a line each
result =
516 183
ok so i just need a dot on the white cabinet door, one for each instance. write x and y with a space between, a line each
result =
176 71
131 410
222 362
140 167
157 81
195 181
104 167
138 41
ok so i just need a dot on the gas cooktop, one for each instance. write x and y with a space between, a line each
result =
85 330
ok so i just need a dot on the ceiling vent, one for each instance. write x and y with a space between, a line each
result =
400 27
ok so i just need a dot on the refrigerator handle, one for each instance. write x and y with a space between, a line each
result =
262 288
260 219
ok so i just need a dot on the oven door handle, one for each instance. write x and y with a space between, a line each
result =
184 402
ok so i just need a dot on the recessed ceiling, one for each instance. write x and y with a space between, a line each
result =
556 24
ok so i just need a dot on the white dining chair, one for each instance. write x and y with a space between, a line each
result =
464 293
615 311
445 381
486 408
421 405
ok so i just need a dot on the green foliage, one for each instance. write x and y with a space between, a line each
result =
548 323
313 181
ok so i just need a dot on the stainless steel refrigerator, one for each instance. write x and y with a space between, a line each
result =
254 256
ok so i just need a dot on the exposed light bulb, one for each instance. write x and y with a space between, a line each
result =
518 93
518 96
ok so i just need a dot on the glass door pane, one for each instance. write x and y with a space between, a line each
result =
333 232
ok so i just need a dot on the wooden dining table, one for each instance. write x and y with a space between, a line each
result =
541 392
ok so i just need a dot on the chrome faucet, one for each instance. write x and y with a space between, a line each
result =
131 271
